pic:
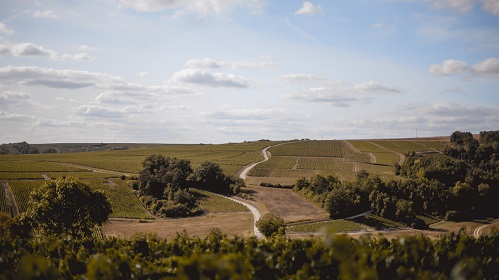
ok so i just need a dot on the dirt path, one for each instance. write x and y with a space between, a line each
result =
266 156
481 229
254 211
10 200
93 169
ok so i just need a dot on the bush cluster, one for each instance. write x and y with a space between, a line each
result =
145 256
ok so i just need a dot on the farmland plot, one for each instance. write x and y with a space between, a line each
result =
123 201
22 191
4 206
332 226
328 148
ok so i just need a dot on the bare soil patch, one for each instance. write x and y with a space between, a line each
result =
288 204
239 224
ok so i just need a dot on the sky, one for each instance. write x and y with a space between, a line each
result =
219 71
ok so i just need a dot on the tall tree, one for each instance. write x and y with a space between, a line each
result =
67 206
161 172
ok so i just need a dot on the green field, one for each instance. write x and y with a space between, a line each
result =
332 226
338 158
214 203
101 169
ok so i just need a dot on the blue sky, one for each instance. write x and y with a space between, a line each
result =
218 71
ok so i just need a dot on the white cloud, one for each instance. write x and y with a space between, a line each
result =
491 6
76 79
5 30
343 94
6 116
488 67
309 9
8 99
98 112
206 63
144 74
243 114
375 87
338 96
301 78
194 6
45 14
85 48
448 67
30 49
33 75
77 56
462 6
205 78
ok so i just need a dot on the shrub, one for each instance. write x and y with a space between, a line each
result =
269 225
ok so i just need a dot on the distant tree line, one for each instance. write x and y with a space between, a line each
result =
461 183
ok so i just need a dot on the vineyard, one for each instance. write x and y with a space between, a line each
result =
25 172
4 206
333 226
333 157
213 203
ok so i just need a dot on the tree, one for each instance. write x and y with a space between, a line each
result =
25 148
67 206
161 172
270 224
342 202
212 177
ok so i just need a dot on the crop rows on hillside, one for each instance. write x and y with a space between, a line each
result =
386 158
329 148
22 191
316 163
123 201
352 155
332 226
30 164
4 206
403 147
231 157
213 203
366 146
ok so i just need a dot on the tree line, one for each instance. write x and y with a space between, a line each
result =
462 183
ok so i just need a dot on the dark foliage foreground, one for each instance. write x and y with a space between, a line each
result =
455 256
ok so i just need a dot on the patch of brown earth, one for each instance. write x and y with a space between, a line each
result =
288 204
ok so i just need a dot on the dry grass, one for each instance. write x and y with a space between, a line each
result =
240 224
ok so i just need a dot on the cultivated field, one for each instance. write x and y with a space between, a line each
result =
339 158
102 168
